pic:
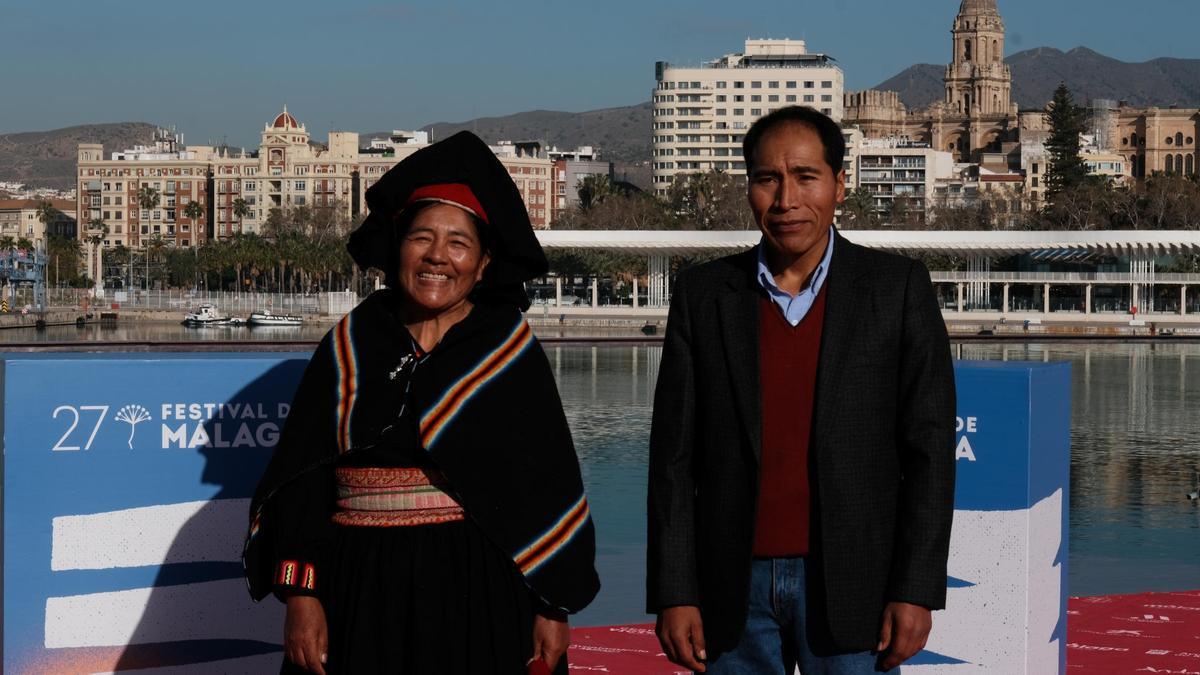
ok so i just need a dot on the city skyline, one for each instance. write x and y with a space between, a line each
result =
371 67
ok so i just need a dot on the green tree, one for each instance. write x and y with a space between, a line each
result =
240 209
194 210
66 255
593 189
148 199
47 214
858 211
156 247
1066 169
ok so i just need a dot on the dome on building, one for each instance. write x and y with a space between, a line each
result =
976 7
285 121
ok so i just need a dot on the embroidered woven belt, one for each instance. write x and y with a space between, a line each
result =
393 496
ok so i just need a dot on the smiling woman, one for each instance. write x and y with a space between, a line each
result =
409 526
442 258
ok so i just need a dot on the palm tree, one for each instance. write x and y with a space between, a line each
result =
592 189
858 211
148 198
241 210
47 214
193 211
7 243
154 250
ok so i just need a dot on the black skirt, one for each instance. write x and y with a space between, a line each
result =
425 599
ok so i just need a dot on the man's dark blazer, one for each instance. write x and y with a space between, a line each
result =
881 455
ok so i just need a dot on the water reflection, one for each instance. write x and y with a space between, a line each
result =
1135 443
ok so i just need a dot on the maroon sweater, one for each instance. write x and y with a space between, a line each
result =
788 363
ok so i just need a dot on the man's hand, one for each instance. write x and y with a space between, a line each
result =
681 634
305 634
904 632
551 637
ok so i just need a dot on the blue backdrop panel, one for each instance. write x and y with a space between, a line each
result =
126 486
1007 601
127 481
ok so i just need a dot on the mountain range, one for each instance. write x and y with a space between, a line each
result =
622 134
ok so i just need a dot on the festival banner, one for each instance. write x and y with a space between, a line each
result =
127 482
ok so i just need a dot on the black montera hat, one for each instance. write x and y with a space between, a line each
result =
516 255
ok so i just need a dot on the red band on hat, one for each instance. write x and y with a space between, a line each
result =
457 194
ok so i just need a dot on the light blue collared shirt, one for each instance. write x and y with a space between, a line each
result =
794 307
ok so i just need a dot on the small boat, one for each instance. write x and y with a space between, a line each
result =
269 319
205 315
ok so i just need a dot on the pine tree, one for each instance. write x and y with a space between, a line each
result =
1066 120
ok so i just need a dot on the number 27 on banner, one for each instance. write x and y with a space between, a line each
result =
73 413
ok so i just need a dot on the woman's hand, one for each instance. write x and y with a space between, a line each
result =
305 634
551 636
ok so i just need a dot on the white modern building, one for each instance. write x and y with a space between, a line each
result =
891 168
701 114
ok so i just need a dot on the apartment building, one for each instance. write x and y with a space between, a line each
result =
701 114
236 190
570 168
19 220
889 168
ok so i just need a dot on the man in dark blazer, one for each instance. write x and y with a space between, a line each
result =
802 450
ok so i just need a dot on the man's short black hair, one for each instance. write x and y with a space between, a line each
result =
826 129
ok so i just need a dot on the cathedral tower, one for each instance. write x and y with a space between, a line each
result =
978 81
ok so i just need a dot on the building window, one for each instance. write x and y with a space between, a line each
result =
826 111
756 112
300 185
1035 182
808 84
1035 167
739 111
756 85
791 98
756 98
739 85
826 98
772 85
722 111
739 98
720 85
773 98
791 84
1170 140
827 84
721 98
809 98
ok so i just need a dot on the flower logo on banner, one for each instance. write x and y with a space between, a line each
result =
133 415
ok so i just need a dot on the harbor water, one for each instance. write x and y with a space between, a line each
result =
1135 449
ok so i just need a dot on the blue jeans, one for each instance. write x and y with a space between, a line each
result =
777 635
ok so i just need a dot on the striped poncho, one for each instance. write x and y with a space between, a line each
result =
487 413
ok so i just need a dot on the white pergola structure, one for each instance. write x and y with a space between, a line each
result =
974 286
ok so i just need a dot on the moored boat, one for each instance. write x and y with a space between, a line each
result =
206 315
270 319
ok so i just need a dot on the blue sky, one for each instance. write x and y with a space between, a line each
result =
219 70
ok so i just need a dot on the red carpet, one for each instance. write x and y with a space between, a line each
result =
1143 633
